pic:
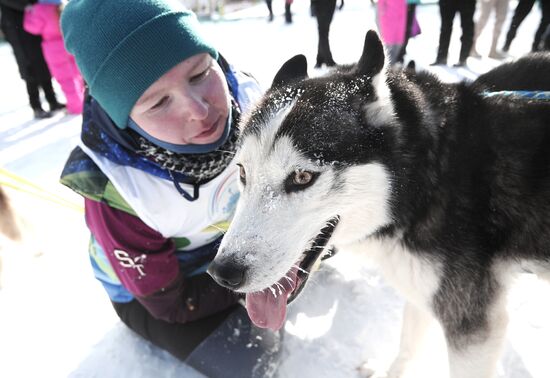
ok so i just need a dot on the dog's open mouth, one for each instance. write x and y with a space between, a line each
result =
267 308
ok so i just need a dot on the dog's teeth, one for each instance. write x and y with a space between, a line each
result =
281 288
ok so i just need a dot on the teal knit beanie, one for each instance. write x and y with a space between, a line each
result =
123 46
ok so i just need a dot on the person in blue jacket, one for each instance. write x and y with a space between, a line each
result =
155 166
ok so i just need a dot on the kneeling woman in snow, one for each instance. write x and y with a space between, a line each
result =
155 167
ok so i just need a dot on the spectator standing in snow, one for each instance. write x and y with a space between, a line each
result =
392 22
28 55
323 10
412 28
288 14
538 39
43 19
522 10
155 165
545 44
501 10
448 10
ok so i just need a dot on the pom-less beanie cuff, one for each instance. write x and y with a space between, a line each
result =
141 58
124 46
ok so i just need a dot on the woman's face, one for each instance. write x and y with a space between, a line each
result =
187 105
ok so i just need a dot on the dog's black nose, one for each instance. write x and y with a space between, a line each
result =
227 274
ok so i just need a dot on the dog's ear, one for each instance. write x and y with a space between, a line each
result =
293 70
372 59
411 66
380 111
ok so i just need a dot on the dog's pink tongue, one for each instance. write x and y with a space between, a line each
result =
267 309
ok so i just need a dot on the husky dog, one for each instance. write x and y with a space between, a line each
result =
528 73
447 189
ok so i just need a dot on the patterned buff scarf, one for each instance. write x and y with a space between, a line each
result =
200 168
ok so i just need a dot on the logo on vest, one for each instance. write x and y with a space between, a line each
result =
224 199
127 262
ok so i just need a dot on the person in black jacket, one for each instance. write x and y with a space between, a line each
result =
288 13
323 10
28 55
448 9
522 10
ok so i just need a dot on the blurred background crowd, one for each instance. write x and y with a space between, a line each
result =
31 27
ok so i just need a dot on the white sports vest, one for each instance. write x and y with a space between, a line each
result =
159 205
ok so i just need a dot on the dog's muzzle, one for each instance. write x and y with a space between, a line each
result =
267 308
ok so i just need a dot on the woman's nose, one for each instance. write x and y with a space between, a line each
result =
195 106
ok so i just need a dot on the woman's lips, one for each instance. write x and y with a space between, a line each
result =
209 131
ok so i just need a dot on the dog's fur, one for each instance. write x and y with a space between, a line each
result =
8 223
529 73
448 190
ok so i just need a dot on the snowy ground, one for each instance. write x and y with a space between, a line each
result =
55 319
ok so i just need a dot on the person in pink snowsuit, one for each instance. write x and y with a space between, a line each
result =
392 22
43 19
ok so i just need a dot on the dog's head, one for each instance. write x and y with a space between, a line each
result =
312 175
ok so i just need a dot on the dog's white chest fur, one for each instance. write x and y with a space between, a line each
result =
414 276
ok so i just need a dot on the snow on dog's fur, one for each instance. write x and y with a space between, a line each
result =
447 189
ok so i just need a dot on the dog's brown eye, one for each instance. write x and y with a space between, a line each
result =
302 177
242 174
300 180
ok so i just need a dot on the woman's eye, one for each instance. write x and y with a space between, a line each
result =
200 75
160 103
302 177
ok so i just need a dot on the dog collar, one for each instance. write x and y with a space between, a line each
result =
538 95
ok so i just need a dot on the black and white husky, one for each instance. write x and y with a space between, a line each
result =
447 189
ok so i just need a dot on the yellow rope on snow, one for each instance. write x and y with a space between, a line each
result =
20 184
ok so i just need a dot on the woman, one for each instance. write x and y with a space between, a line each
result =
155 167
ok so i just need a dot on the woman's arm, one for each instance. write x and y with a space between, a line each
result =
147 266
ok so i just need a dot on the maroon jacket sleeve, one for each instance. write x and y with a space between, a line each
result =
147 266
